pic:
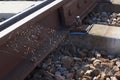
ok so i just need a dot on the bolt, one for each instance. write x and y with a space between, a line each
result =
78 21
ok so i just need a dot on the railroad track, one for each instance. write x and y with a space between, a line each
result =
28 37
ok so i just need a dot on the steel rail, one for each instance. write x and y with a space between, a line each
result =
22 14
28 37
8 37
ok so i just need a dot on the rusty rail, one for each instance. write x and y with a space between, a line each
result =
26 41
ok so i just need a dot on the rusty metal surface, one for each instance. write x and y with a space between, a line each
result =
7 62
77 8
27 42
23 42
27 65
29 36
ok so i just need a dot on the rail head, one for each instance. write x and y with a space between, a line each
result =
22 14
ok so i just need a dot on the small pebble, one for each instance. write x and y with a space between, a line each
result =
113 78
118 63
117 75
97 66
